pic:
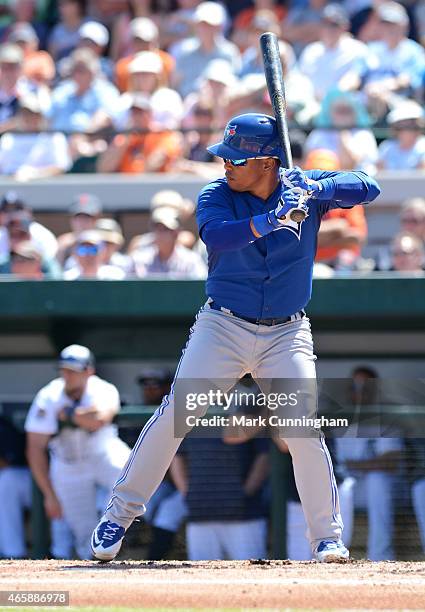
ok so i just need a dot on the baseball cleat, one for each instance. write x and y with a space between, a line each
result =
329 551
106 540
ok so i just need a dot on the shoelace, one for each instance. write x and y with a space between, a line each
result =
113 530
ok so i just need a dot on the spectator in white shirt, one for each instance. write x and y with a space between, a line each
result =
33 154
165 257
327 61
89 257
406 151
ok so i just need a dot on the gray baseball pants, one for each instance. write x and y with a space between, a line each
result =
221 346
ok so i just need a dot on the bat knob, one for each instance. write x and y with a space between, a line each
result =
297 215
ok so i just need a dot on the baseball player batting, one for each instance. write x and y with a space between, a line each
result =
259 282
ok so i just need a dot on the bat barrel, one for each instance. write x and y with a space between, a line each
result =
274 77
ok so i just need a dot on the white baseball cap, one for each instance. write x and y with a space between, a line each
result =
76 357
166 216
393 12
405 111
146 61
96 32
210 12
220 71
144 28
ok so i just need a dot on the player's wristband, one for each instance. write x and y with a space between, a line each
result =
261 225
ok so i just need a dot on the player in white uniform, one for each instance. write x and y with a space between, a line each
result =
71 417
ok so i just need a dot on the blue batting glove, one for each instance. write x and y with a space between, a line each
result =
321 190
297 177
289 200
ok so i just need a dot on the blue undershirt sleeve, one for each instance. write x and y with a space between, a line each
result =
234 235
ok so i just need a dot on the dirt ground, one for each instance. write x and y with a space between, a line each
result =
221 584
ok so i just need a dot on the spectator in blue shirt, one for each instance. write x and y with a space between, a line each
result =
77 100
194 54
396 63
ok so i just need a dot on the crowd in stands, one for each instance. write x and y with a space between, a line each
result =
95 247
134 86
115 82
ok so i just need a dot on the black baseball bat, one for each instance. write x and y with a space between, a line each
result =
274 78
276 87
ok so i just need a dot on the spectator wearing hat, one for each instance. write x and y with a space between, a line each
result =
38 65
26 261
113 240
65 35
94 36
336 54
145 71
19 226
77 100
407 253
33 154
13 85
85 210
88 253
165 257
406 150
395 64
209 44
144 36
167 198
150 151
70 420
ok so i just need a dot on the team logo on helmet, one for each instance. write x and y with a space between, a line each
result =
230 131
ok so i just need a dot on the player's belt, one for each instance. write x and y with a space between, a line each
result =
277 321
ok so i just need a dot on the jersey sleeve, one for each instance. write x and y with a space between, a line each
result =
214 202
41 417
351 188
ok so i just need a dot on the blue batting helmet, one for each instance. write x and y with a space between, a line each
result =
249 135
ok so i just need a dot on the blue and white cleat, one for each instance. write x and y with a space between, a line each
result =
329 551
106 540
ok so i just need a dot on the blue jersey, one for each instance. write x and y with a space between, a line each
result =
271 276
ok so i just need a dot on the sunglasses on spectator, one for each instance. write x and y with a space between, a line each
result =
400 253
21 259
243 162
87 250
411 220
407 125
